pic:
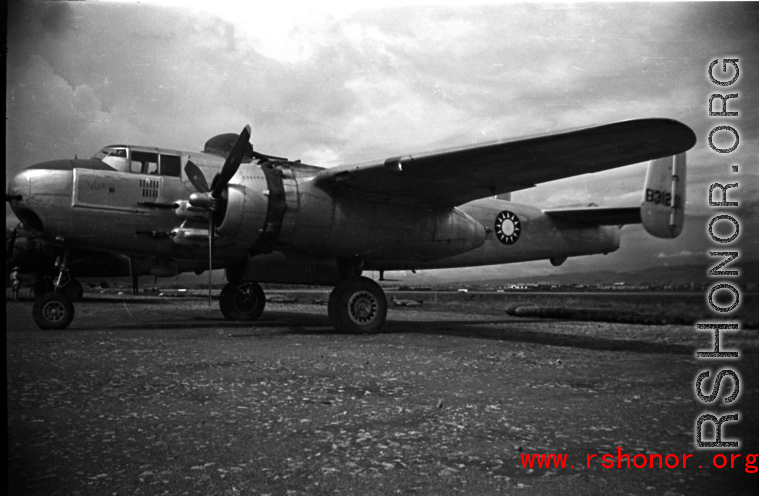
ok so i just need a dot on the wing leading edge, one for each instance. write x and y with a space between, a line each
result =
458 175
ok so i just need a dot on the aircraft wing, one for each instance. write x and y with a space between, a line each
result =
456 176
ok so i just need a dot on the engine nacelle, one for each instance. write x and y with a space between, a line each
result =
246 212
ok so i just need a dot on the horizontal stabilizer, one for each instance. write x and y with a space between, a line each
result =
661 211
598 215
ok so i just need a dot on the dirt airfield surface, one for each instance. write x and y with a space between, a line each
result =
147 395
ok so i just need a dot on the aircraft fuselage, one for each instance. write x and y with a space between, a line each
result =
278 225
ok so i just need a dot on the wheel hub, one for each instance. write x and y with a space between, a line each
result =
53 311
363 307
244 299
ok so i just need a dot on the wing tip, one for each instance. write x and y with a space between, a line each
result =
678 136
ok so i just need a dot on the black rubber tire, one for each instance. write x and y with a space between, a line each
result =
74 290
242 301
357 305
53 311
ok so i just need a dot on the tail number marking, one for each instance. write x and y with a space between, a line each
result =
662 198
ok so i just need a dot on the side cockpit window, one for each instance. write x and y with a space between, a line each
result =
141 162
115 157
144 162
171 165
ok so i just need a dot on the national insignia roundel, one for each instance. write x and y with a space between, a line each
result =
507 227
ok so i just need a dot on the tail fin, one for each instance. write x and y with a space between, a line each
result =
663 207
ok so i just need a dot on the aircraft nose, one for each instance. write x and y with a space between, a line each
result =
18 187
39 191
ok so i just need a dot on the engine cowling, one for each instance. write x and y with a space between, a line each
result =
245 213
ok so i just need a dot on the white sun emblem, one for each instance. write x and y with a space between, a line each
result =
507 227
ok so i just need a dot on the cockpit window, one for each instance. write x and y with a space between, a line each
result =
145 162
139 162
171 165
115 157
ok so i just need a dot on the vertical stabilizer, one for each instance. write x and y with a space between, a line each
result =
663 207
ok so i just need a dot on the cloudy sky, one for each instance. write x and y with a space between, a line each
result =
339 84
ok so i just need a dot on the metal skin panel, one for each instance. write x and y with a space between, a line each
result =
347 227
247 206
46 205
541 237
109 191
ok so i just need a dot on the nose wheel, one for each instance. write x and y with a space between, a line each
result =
53 311
242 301
357 305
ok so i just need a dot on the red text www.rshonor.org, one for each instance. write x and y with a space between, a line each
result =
652 460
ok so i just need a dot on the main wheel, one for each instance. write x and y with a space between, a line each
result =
74 290
53 311
242 301
357 305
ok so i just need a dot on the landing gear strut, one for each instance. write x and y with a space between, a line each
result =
242 301
55 310
357 305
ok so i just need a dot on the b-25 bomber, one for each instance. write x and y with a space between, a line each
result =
267 219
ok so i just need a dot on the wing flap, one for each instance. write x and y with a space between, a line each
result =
458 175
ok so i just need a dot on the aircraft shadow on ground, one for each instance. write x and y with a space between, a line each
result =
512 331
506 330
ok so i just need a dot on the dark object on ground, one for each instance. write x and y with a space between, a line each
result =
278 298
408 303
589 314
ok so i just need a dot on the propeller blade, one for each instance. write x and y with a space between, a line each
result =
196 177
234 159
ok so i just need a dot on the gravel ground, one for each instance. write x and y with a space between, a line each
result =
161 396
